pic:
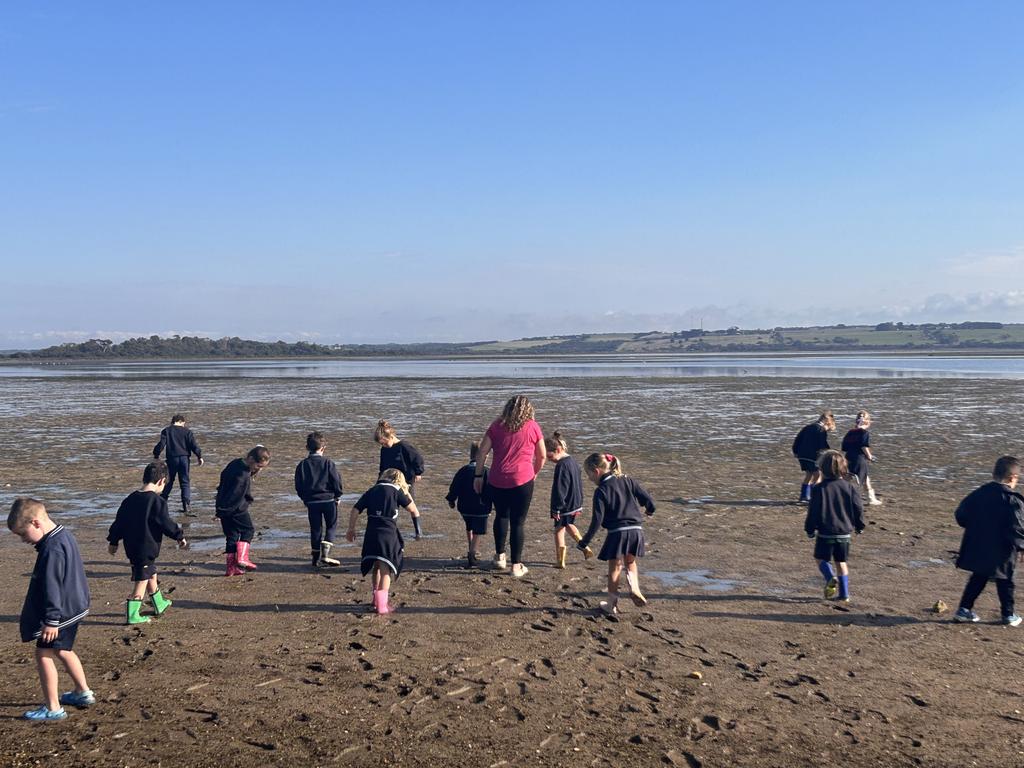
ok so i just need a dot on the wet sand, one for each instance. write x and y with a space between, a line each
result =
287 666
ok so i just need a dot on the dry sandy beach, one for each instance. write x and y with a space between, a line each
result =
737 661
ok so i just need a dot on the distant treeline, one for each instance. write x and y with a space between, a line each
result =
890 336
195 346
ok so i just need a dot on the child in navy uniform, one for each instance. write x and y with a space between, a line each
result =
808 445
616 507
234 495
834 513
318 484
398 454
566 496
382 541
142 522
857 448
180 444
474 507
57 600
993 521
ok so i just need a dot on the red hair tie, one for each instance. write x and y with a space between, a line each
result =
609 458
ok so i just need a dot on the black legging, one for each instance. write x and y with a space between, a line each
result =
511 505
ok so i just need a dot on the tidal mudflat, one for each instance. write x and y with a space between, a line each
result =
736 661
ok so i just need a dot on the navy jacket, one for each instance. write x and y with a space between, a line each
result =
179 441
461 493
58 594
142 522
403 457
835 509
617 503
567 487
234 492
993 521
810 441
317 479
854 443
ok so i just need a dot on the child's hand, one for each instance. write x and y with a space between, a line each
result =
49 634
350 535
581 546
112 549
201 462
183 544
649 511
451 505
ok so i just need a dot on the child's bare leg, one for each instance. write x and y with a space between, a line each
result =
73 665
47 669
574 532
376 576
843 569
470 541
614 571
139 591
152 587
385 579
633 580
560 537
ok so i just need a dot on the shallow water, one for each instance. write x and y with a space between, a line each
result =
824 366
694 577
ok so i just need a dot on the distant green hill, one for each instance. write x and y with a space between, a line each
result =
951 337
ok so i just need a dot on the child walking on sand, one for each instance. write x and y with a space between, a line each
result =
318 484
857 448
382 541
834 513
616 507
181 445
474 507
808 445
234 495
566 496
57 600
400 455
992 517
142 522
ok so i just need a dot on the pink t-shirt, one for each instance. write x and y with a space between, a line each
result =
513 454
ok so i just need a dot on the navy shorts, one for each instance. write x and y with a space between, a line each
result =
143 570
65 640
476 524
808 465
829 550
565 520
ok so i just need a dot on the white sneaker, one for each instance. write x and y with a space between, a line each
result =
519 570
499 562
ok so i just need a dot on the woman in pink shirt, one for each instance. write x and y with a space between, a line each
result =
518 446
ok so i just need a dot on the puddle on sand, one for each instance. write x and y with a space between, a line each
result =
699 578
925 563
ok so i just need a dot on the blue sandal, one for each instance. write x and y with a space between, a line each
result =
45 714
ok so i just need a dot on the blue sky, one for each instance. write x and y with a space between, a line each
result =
468 170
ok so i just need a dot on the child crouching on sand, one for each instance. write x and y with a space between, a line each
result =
566 496
616 507
383 547
834 513
57 600
142 522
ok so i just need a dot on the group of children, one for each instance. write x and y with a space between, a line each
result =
58 596
992 516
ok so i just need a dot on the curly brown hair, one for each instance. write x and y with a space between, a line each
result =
517 411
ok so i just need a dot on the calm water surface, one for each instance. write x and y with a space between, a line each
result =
647 366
